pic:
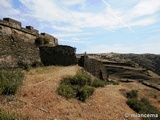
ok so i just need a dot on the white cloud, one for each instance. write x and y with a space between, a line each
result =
67 28
62 16
119 48
112 13
146 7
6 9
108 48
62 35
45 10
73 2
5 3
143 22
112 19
75 40
142 14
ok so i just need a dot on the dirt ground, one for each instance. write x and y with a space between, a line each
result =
38 98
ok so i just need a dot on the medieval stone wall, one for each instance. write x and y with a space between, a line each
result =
17 47
59 55
14 52
94 66
21 34
9 26
29 34
53 41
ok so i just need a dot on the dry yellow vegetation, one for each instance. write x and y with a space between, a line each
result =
38 98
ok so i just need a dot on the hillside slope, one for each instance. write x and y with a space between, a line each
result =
148 61
138 67
38 98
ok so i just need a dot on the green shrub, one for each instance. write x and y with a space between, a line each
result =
98 83
10 81
132 94
135 104
85 92
148 108
80 86
145 101
141 106
6 115
66 81
66 91
81 78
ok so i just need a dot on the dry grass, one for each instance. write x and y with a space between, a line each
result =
151 94
39 91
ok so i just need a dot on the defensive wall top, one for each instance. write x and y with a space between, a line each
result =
14 24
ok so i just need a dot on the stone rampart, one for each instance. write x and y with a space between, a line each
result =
17 47
29 34
93 66
53 40
58 55
14 52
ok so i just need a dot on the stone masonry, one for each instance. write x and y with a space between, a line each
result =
93 66
18 48
29 34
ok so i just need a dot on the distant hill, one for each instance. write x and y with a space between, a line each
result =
139 67
148 61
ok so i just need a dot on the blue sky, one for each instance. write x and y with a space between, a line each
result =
93 26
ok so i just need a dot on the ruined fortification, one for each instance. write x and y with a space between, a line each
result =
18 48
94 66
29 34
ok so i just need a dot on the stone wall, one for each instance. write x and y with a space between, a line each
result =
94 66
59 55
29 34
17 47
53 40
11 22
21 34
14 52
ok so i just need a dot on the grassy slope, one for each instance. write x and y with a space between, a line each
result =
39 89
